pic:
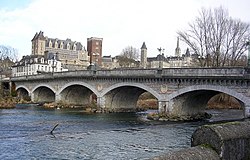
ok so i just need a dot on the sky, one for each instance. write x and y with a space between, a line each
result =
120 23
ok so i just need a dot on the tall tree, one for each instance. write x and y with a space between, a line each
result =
129 57
8 52
216 38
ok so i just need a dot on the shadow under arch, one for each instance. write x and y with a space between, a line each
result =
138 85
194 99
43 93
77 93
23 92
122 97
24 87
90 87
221 89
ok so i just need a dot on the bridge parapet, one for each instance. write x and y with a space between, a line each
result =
154 73
204 72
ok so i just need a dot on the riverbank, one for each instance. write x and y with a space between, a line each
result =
7 103
174 118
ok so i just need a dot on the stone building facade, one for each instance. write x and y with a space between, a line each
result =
176 61
36 64
94 48
72 54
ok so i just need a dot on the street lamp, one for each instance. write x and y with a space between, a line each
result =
161 50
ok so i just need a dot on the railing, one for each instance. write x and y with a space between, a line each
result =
166 72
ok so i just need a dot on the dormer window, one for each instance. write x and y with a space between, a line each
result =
61 45
56 45
42 60
68 46
50 44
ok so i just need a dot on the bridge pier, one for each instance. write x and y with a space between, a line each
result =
57 98
100 102
32 97
164 107
247 111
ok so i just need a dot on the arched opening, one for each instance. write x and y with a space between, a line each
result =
78 95
124 99
43 94
23 94
223 101
147 101
197 101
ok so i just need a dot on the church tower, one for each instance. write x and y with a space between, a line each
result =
177 50
143 55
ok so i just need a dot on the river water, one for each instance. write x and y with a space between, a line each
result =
25 134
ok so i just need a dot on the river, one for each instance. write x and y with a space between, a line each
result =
25 134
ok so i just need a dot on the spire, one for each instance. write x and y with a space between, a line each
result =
177 50
143 46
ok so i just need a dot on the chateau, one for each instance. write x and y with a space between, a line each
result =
72 54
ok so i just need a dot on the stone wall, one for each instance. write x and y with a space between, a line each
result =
227 141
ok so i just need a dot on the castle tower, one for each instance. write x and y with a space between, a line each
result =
178 50
144 55
38 44
94 48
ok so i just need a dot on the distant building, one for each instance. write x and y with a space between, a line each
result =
71 53
143 56
36 64
109 62
94 48
161 61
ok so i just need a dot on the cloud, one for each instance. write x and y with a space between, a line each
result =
120 23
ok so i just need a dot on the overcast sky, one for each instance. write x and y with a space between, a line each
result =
120 23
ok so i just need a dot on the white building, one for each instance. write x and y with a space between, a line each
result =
36 64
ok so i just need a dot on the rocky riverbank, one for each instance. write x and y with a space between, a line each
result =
7 103
91 108
169 117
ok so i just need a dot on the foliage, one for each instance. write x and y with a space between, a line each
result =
129 57
216 38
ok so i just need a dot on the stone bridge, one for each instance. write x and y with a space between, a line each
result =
181 91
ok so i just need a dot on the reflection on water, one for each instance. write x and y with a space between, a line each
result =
25 134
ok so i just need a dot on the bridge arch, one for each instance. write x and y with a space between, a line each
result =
23 92
90 87
43 93
124 96
194 99
77 93
139 85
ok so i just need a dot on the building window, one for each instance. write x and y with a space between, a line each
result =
96 43
50 44
56 45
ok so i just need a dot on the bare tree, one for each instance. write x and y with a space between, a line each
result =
8 56
129 57
8 52
216 38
